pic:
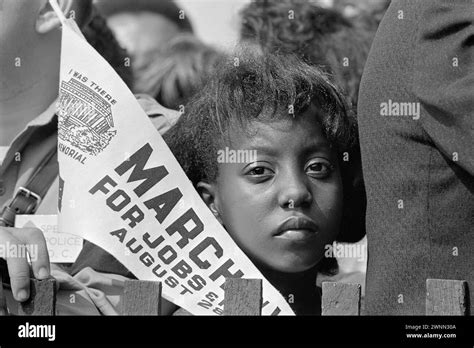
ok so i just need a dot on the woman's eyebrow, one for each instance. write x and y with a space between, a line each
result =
315 146
267 149
263 149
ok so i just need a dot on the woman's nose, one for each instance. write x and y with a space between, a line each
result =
294 192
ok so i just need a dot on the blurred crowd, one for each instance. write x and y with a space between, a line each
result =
153 47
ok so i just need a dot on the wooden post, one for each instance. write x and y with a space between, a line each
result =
340 299
42 299
141 297
243 297
3 299
446 297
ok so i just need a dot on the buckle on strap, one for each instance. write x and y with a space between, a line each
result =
29 194
24 202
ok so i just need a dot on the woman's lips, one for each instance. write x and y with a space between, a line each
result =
297 229
297 235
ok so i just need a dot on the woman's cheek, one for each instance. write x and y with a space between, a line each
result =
333 210
243 217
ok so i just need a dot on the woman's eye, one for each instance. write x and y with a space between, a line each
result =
259 171
319 169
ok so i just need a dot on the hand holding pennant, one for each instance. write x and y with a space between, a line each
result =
124 191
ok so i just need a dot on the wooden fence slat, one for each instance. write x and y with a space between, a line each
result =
3 299
141 297
340 299
446 297
42 299
243 297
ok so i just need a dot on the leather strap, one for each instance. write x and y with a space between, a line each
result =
28 197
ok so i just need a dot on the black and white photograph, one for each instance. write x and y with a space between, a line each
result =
236 158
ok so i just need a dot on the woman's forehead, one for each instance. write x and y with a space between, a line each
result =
304 130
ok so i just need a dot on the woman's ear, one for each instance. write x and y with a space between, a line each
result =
47 19
208 193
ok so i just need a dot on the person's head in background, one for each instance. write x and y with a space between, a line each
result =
321 36
294 119
177 70
30 42
367 13
101 37
143 26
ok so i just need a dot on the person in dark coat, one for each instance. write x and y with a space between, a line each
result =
416 119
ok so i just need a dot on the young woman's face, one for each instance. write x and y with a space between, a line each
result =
283 207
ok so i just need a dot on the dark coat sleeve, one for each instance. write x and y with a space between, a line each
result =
444 78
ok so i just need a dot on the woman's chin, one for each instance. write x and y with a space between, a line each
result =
294 265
